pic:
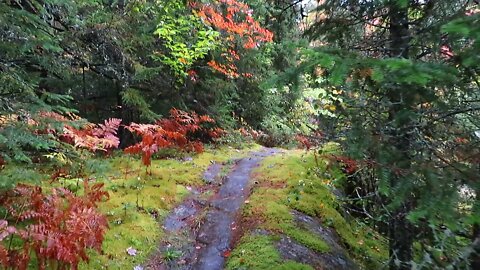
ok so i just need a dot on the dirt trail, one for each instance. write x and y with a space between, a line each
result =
199 231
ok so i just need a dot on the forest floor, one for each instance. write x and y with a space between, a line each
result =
263 211
227 208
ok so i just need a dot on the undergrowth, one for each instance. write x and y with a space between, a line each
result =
138 202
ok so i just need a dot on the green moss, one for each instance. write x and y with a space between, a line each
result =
258 252
134 195
278 217
130 187
120 236
254 252
306 192
277 214
306 238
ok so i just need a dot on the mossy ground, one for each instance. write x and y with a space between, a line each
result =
259 252
287 182
139 201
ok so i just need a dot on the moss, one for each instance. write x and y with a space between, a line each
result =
306 238
254 252
306 192
120 236
134 194
258 252
138 201
278 217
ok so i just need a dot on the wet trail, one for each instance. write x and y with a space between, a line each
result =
199 231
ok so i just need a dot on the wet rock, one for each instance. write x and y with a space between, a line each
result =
177 218
336 259
315 226
211 175
216 232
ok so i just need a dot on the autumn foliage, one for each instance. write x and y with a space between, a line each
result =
57 228
94 137
349 165
182 130
234 20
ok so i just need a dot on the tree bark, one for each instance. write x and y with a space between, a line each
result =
400 230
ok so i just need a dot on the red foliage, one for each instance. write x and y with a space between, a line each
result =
235 21
192 75
182 130
94 137
349 165
304 142
58 227
251 133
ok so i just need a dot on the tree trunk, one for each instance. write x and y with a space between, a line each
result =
400 230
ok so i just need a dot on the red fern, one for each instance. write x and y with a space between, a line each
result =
182 130
101 137
93 137
60 226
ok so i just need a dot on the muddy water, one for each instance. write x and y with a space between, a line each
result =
199 231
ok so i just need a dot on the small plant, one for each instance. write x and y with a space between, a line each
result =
171 254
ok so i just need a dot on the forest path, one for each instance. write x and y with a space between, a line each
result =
199 232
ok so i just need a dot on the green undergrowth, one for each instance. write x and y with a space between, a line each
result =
139 201
287 182
259 252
